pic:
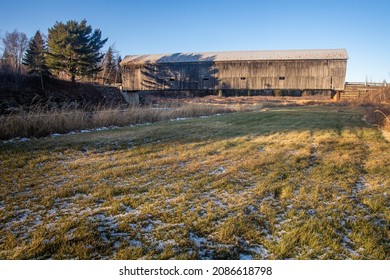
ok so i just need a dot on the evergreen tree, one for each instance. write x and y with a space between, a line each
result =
35 57
74 48
109 66
111 73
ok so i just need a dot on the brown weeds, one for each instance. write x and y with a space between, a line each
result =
42 121
379 115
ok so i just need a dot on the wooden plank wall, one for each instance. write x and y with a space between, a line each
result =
364 91
283 74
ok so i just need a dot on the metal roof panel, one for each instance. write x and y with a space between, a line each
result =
237 56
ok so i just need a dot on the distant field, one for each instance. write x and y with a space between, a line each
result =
285 183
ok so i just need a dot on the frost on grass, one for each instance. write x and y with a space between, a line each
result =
304 194
217 171
254 252
204 246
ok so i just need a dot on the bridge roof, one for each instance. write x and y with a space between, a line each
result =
237 56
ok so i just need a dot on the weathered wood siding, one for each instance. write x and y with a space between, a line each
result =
272 74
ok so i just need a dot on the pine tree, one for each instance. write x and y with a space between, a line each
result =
74 48
108 66
35 57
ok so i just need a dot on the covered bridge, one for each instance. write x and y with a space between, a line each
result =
320 69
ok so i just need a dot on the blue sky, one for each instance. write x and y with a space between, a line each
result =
151 26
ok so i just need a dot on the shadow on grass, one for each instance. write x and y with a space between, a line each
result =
212 128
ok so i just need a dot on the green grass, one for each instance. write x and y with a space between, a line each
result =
41 121
295 182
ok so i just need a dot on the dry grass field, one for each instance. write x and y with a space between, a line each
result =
284 183
40 121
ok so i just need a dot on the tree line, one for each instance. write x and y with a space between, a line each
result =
70 50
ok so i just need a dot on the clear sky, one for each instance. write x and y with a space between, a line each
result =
167 26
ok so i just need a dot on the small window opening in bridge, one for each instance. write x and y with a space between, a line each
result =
243 78
205 79
171 79
282 78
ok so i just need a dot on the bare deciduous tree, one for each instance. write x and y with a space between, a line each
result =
14 44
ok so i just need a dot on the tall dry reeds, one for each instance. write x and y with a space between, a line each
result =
376 106
380 111
42 121
379 116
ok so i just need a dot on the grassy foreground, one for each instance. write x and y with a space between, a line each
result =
294 182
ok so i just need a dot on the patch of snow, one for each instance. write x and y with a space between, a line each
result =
245 257
180 119
16 139
135 243
251 209
10 140
119 234
100 228
162 108
219 170
198 241
219 203
311 212
346 240
48 241
128 210
54 135
80 196
85 131
259 250
161 245
141 124
23 216
105 221
204 245
65 207
202 213
360 184
52 212
148 228
70 233
104 236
